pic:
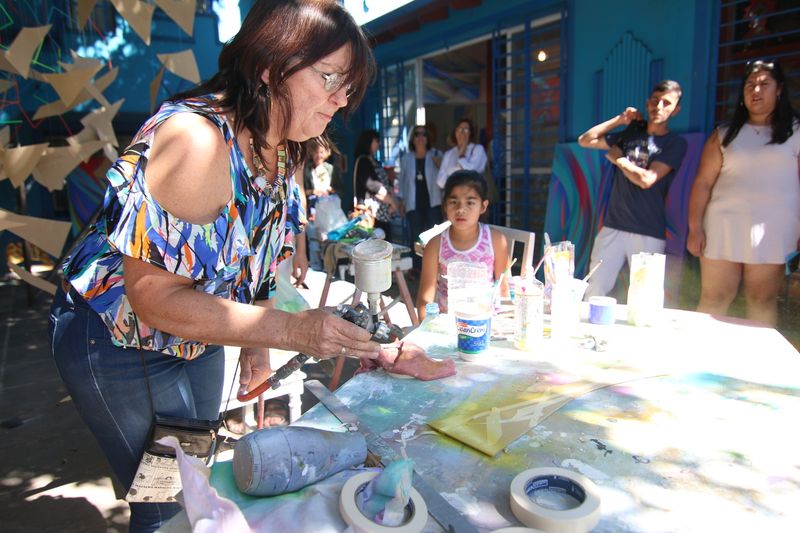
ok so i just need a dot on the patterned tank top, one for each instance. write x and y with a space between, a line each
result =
482 252
233 257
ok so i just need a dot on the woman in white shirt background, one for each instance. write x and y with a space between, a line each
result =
419 168
465 155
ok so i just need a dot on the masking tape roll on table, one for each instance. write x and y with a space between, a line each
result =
354 518
576 520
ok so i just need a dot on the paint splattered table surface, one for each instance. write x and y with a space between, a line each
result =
688 426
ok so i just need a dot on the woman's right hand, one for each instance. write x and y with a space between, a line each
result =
696 242
322 335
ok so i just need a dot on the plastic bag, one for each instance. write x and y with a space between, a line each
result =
329 214
287 297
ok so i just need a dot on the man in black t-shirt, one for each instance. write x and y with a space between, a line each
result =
646 156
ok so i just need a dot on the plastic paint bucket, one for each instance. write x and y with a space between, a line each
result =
474 332
601 310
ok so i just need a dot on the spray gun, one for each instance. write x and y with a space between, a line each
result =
373 273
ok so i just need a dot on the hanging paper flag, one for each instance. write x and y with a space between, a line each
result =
17 59
138 14
57 108
36 281
85 8
182 64
69 85
58 161
19 161
181 11
100 121
49 235
155 84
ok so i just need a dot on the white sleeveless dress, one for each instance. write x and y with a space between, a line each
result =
753 215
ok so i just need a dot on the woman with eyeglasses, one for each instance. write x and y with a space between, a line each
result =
744 208
417 185
373 189
465 155
200 209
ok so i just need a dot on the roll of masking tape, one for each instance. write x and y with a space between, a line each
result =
579 519
416 510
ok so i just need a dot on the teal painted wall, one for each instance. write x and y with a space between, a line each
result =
680 32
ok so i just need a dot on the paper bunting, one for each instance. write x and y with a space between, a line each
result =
79 61
85 8
32 279
155 84
181 11
69 85
18 162
100 121
49 235
138 14
58 161
17 59
57 108
182 64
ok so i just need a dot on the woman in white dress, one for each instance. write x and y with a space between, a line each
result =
465 155
744 208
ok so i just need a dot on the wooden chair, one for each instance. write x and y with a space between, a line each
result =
528 238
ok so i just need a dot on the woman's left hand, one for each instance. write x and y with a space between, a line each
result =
254 368
299 267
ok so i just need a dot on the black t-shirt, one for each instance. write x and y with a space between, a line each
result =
422 199
630 207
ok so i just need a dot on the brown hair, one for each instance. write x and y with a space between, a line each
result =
452 138
284 36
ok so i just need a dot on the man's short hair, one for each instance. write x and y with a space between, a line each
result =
666 86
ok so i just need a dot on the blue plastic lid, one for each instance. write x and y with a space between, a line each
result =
431 308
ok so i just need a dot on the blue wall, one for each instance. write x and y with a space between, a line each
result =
680 32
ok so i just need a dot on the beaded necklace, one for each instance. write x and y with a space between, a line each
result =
275 190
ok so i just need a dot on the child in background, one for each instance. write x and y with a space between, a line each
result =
465 200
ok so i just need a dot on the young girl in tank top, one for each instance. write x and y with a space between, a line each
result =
464 201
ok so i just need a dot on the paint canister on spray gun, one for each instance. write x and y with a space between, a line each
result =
373 264
278 460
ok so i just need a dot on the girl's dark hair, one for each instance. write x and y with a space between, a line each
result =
782 118
427 138
284 36
364 143
364 147
468 178
452 138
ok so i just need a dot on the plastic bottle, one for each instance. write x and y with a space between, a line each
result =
433 321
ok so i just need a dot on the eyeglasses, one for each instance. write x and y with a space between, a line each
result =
420 133
463 129
334 81
761 63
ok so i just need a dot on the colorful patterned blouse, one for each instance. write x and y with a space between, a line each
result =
233 257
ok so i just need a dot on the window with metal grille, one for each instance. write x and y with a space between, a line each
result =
528 64
398 108
756 29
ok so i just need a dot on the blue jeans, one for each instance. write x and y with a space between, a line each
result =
108 387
